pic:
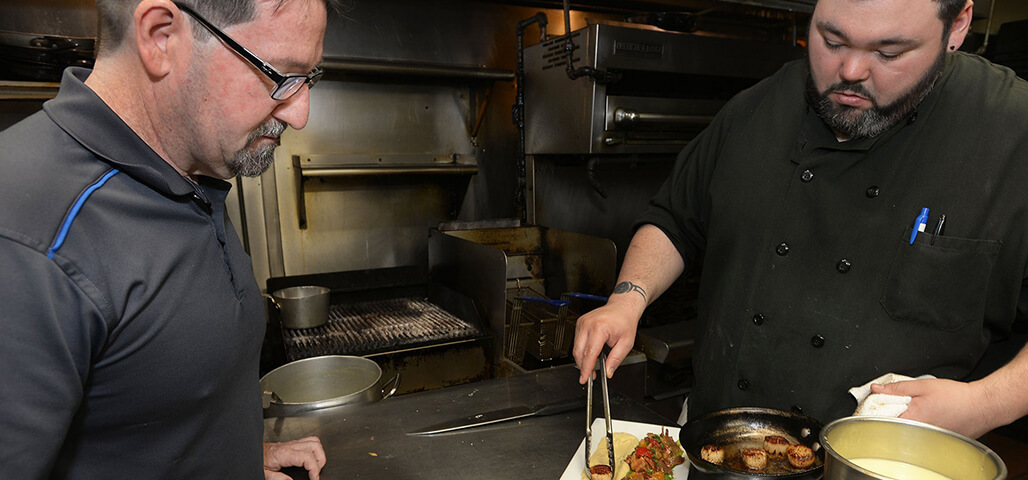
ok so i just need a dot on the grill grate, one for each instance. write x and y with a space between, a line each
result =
363 328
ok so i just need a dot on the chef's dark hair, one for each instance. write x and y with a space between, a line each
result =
115 16
948 12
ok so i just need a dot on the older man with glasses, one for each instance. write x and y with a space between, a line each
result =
132 322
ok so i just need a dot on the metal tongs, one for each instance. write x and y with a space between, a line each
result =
606 416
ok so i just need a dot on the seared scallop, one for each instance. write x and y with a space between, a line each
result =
800 456
775 445
754 458
713 454
600 472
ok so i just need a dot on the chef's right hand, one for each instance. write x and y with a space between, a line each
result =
614 325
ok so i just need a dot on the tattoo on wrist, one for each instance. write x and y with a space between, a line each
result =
625 287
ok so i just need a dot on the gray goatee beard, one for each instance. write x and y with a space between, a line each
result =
252 161
852 123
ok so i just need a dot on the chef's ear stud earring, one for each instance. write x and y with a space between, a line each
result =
952 47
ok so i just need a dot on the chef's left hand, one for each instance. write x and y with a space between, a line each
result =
949 404
306 452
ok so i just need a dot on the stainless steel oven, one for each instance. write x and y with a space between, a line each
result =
667 88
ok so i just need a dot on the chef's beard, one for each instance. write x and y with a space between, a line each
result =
252 161
852 123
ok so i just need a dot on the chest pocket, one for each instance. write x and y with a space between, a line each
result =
942 286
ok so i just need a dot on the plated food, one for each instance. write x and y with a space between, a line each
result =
624 444
577 463
654 457
600 472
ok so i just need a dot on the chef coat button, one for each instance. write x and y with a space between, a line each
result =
782 249
817 341
872 191
843 266
744 384
807 176
758 319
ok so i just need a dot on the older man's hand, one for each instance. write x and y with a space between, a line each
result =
306 452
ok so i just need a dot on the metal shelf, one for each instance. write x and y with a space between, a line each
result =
18 90
367 165
416 70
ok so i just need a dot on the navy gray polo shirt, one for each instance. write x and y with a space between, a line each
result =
130 320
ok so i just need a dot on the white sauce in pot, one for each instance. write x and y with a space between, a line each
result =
897 469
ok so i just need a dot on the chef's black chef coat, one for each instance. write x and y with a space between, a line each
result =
131 320
810 285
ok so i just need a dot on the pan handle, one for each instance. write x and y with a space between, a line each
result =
587 296
555 303
396 384
269 397
273 301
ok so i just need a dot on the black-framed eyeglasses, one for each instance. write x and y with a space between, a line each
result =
286 85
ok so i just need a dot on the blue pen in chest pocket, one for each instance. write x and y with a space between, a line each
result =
919 224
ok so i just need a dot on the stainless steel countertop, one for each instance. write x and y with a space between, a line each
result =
371 441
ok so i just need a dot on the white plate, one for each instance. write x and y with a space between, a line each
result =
577 463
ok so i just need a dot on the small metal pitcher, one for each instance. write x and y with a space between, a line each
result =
302 307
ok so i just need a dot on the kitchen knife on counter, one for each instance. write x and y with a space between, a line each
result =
502 415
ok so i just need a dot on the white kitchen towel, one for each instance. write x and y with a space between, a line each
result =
880 404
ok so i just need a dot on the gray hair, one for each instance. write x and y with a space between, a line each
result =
115 16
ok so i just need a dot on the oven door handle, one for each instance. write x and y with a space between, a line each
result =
626 118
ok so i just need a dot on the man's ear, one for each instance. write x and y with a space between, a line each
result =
961 26
159 29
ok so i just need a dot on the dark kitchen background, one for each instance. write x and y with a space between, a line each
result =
413 180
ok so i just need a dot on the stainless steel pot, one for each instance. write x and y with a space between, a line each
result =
324 382
302 307
894 443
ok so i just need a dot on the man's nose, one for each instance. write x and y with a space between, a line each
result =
295 110
854 68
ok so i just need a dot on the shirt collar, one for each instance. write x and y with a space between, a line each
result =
85 117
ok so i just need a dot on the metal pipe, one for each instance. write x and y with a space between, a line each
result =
518 110
988 28
599 76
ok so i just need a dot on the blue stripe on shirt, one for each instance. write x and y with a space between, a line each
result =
66 225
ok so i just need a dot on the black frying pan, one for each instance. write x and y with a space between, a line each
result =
746 427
